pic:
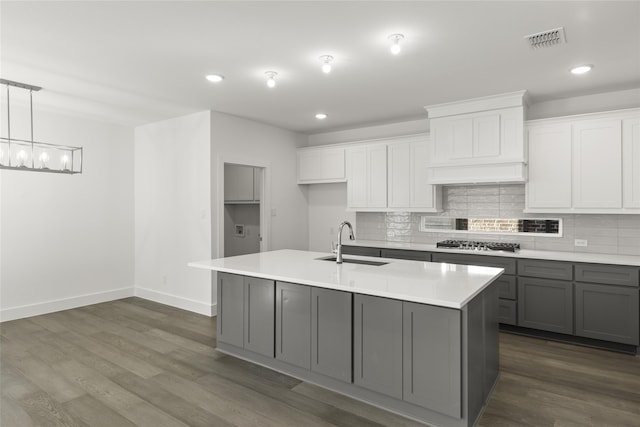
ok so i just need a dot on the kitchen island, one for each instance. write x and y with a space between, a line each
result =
416 338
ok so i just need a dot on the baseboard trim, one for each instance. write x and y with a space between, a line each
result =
37 309
177 301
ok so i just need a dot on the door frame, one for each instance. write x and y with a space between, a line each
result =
265 200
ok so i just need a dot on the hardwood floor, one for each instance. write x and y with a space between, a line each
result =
135 362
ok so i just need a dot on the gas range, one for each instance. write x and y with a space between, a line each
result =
479 246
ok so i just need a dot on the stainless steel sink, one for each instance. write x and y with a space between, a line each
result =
353 261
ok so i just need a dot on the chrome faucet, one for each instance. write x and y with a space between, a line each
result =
339 247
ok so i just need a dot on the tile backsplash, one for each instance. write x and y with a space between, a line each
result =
609 234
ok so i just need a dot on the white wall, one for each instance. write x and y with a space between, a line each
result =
238 140
67 241
172 211
327 209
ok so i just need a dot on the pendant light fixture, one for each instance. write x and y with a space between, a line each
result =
29 155
271 78
395 46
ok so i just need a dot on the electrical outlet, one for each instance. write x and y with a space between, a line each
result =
580 243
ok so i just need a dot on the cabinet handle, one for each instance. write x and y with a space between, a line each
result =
412 353
361 340
221 304
249 313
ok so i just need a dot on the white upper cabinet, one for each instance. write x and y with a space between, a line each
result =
317 165
631 163
408 186
239 183
390 175
585 164
597 164
478 140
549 184
367 177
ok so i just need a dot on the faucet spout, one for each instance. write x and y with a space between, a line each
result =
351 237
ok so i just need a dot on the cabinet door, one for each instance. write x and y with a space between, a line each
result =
377 346
607 312
330 337
452 139
238 183
631 163
259 305
257 183
423 194
230 309
486 135
400 191
357 181
293 324
597 166
431 352
549 184
321 165
545 304
377 191
507 312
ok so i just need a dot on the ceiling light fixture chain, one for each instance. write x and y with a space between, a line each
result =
20 154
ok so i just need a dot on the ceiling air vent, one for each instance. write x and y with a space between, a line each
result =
546 38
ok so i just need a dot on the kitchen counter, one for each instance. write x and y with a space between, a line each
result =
445 285
523 253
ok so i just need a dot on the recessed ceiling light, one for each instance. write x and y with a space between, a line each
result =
321 116
581 69
215 78
395 47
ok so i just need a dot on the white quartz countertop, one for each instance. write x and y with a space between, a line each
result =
445 285
523 253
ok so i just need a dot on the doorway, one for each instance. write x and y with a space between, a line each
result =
243 208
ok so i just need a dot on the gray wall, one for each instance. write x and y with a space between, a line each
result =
610 234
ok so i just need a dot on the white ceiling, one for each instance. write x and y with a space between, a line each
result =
139 62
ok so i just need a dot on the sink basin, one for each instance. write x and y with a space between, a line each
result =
353 261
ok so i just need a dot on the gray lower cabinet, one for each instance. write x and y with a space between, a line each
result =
230 309
406 254
507 311
331 353
377 344
545 304
259 296
293 324
607 312
545 269
435 384
360 250
246 312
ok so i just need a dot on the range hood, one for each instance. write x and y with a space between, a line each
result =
478 140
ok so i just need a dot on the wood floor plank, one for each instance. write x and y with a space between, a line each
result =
12 414
240 413
46 411
127 404
170 403
95 413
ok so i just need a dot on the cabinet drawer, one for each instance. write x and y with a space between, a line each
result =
507 311
545 269
608 274
360 250
506 286
508 264
406 254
